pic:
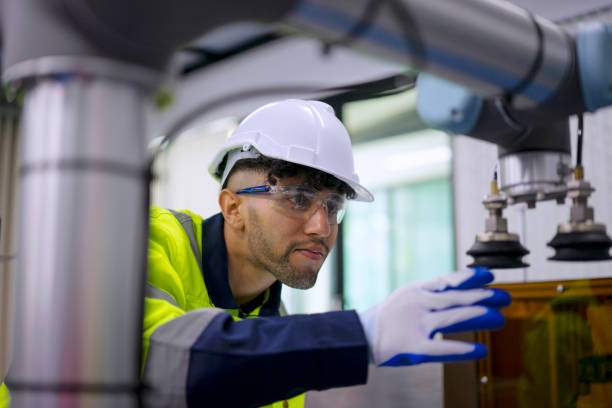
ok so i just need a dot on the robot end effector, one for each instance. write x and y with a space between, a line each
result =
534 152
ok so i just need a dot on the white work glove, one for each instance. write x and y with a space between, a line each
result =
400 330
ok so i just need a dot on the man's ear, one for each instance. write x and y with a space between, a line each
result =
230 207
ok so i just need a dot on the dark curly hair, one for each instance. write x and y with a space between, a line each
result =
278 169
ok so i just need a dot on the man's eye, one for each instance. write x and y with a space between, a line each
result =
300 201
332 207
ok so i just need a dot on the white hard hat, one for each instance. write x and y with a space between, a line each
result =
297 131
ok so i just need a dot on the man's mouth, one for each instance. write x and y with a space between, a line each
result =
311 253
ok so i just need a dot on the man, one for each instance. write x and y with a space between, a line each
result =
285 174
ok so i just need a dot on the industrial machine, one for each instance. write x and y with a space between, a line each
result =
88 69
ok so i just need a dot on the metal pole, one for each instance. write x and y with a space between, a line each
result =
9 147
83 234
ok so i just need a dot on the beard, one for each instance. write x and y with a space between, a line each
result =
275 259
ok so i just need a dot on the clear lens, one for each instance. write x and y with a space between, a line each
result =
340 215
302 202
335 208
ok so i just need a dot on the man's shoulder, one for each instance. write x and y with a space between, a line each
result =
163 223
166 224
160 214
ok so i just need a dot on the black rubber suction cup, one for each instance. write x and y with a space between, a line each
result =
581 246
498 254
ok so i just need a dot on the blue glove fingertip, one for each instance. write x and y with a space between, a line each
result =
500 298
490 320
481 277
480 351
405 359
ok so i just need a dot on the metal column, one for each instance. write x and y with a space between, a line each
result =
83 234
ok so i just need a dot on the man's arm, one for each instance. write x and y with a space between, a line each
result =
211 359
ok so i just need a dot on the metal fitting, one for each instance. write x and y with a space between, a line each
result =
496 224
497 237
579 189
581 213
495 204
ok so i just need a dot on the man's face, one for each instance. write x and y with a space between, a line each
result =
292 250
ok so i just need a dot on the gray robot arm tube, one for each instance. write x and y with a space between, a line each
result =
586 87
488 46
491 70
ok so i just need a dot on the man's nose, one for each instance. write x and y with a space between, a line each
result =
317 224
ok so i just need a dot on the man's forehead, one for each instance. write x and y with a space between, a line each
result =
304 181
245 178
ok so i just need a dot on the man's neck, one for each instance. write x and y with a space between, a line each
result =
245 279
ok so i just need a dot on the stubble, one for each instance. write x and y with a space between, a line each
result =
275 259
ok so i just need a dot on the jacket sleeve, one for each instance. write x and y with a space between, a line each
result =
203 357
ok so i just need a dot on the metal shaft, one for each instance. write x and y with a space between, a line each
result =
492 47
82 243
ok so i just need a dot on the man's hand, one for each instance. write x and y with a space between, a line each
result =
401 329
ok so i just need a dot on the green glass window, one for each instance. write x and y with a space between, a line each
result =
405 235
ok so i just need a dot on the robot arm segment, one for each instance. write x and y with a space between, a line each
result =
491 47
455 109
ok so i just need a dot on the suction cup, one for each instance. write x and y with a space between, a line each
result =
498 254
581 246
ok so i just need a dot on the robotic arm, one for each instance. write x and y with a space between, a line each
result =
498 73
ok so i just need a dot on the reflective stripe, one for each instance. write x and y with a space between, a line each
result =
155 293
187 224
170 344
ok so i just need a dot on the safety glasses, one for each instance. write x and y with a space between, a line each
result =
301 202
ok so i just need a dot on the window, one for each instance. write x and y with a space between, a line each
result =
407 233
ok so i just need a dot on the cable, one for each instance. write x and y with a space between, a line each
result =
503 102
362 90
536 64
371 89
363 24
402 15
408 25
580 137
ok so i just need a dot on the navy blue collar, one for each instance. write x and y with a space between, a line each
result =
214 263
